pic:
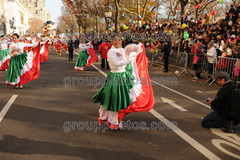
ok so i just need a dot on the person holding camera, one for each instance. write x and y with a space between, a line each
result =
221 105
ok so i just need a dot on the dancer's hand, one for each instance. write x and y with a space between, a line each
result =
133 54
133 58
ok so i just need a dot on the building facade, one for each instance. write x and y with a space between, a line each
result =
17 17
49 18
3 20
36 7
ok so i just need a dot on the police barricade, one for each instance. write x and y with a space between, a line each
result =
149 56
193 60
229 65
176 59
202 66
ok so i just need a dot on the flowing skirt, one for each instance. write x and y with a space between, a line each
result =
82 61
15 67
4 59
115 93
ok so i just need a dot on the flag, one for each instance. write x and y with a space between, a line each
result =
145 99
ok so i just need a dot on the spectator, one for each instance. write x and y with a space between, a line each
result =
198 57
220 117
211 56
232 10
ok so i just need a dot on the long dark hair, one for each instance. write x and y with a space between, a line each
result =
15 34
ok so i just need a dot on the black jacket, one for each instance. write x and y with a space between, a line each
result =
238 10
70 45
167 47
222 102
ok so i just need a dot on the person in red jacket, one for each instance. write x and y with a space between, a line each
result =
103 49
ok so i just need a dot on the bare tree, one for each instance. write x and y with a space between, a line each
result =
35 26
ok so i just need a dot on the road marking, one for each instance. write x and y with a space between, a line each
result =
103 73
172 103
185 137
178 131
76 53
7 106
194 100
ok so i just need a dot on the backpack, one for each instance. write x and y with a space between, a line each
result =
235 104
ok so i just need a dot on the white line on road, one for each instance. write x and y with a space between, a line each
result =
178 131
76 53
7 106
103 73
186 137
172 103
194 100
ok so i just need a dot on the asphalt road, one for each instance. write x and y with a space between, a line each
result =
53 118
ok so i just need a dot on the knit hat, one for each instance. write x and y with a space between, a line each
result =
210 43
221 75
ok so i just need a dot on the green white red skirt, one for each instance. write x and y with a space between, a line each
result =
4 59
82 61
24 68
115 93
86 58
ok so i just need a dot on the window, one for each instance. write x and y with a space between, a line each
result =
36 11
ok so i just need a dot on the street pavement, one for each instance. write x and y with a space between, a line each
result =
53 118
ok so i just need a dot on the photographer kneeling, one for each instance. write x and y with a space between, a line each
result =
221 104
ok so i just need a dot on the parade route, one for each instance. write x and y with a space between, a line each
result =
53 117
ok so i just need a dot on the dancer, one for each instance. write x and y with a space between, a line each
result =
86 57
4 54
20 62
119 96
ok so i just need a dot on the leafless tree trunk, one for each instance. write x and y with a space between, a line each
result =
117 16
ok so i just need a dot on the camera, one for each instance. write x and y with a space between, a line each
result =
207 100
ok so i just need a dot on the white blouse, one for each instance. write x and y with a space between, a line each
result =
3 46
116 60
83 46
19 46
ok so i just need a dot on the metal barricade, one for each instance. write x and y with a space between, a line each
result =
193 59
229 65
176 59
186 62
149 56
179 60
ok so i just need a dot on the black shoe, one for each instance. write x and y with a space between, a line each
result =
71 60
228 128
165 71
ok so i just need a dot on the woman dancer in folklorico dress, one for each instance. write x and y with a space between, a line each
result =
118 92
19 59
83 56
4 54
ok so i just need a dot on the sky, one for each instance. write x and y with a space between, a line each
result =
54 7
